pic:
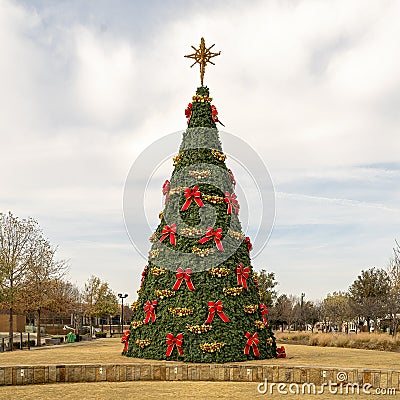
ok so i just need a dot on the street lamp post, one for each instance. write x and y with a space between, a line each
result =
301 311
122 297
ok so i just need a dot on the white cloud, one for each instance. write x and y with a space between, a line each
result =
312 86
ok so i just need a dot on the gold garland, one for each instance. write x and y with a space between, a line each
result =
154 237
143 342
177 158
164 293
205 173
180 312
202 252
136 324
212 199
198 328
234 291
219 272
134 306
154 253
236 235
191 232
260 325
218 155
177 190
211 347
158 271
251 309
201 99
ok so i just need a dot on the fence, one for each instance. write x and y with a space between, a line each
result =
17 344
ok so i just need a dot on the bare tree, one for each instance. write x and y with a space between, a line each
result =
17 241
42 282
394 297
282 311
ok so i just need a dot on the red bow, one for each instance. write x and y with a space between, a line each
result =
149 309
249 245
252 341
231 200
125 339
181 275
144 273
169 230
264 312
192 194
214 115
216 308
165 190
242 275
280 352
188 112
232 177
172 341
217 235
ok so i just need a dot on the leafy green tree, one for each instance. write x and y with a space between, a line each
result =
108 303
311 313
99 300
266 287
369 295
336 308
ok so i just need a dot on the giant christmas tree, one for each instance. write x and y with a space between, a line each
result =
198 300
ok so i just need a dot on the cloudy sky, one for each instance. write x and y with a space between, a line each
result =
313 87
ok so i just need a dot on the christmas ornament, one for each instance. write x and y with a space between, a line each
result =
217 235
171 231
242 275
149 308
173 341
252 342
216 308
181 275
192 194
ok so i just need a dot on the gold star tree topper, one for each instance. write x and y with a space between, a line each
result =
202 56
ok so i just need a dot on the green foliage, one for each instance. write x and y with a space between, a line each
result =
369 294
266 285
336 307
197 153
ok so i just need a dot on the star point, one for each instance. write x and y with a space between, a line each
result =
202 56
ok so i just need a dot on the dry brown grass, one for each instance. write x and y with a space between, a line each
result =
109 351
157 391
367 341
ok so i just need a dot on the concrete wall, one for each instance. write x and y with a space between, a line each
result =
22 375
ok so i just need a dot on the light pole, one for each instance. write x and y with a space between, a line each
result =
301 311
122 297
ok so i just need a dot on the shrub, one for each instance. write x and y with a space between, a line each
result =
100 335
367 341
